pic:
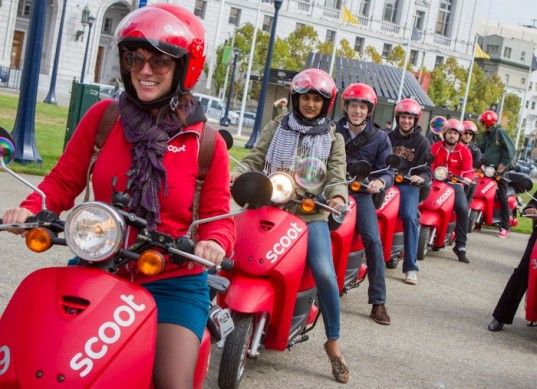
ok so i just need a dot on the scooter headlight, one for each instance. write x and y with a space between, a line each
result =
94 231
283 187
441 173
489 171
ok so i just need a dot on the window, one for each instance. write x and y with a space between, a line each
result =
24 9
332 4
358 44
267 23
533 105
523 56
443 18
386 49
234 16
527 104
107 26
492 49
414 57
438 61
299 25
507 52
199 8
531 86
420 20
365 6
391 8
330 36
523 80
507 78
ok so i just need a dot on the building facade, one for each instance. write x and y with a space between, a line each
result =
443 28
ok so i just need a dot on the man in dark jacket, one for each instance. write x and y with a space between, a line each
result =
413 149
468 138
498 150
365 141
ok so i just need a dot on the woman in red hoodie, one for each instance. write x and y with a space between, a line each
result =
152 150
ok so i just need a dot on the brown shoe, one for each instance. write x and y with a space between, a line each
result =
340 370
379 314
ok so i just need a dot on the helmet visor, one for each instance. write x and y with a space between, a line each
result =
303 83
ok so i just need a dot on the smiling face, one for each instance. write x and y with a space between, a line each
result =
467 137
406 122
154 79
310 105
357 112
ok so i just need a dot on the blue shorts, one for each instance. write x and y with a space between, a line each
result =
183 301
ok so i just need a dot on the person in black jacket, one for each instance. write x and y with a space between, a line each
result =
413 149
507 306
467 138
366 141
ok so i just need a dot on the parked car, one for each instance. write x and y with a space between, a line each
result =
248 119
215 108
526 167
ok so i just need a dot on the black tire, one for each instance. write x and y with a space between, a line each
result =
423 242
472 220
392 263
235 352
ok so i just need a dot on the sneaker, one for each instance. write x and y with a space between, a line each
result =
495 326
503 233
379 314
411 277
460 252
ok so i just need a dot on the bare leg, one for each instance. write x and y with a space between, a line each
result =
176 356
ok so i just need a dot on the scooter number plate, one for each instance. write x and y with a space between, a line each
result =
225 322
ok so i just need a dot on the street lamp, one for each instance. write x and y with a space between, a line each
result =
51 95
264 85
87 19
225 119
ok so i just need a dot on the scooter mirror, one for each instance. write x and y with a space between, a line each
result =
429 158
393 161
253 188
228 138
484 161
7 147
360 169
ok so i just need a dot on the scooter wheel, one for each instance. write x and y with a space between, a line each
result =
423 243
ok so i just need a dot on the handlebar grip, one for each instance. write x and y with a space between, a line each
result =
227 264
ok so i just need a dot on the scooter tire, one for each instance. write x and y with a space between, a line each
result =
423 243
235 352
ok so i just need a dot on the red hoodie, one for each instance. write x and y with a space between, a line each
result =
458 160
68 179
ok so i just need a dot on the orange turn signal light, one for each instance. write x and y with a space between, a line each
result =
399 178
355 186
454 180
498 178
39 239
308 205
151 262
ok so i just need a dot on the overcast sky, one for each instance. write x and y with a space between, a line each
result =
513 12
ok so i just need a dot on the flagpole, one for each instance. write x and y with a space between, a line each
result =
249 70
214 47
334 46
468 80
405 63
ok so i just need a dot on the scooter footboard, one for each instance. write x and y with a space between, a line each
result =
77 327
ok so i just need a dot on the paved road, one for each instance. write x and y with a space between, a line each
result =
438 338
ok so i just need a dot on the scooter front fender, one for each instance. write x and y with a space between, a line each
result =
247 295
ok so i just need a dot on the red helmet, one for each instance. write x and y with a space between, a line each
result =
410 106
168 29
437 125
454 124
314 80
360 92
469 126
488 118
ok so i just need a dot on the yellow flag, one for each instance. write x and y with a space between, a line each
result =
479 53
347 16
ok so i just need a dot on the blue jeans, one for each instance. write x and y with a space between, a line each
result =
368 227
461 210
322 266
408 212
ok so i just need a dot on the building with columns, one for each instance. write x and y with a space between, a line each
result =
444 28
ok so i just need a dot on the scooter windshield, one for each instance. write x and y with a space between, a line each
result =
310 173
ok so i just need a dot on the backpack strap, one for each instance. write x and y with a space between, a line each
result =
208 139
106 124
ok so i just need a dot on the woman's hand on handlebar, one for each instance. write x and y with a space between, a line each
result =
336 202
209 250
16 215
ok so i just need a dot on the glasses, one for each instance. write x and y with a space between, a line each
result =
135 62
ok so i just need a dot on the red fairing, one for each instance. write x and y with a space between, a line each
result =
483 199
531 293
77 332
341 242
387 214
204 357
437 209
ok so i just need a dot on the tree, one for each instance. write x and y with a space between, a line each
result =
447 82
372 54
300 43
511 108
396 57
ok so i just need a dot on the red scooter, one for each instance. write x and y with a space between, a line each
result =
272 293
531 292
82 325
485 208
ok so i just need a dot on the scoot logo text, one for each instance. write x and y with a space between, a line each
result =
108 333
285 241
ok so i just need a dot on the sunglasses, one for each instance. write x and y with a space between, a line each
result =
135 62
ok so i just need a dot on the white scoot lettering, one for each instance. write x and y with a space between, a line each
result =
5 359
108 333
284 242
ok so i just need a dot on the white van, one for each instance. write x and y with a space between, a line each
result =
215 108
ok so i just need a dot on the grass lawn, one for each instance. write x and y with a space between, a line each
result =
50 133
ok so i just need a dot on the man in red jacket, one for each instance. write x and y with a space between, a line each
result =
458 160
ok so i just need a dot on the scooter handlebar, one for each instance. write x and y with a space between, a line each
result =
227 264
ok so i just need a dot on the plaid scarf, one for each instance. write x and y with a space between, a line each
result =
149 137
295 138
